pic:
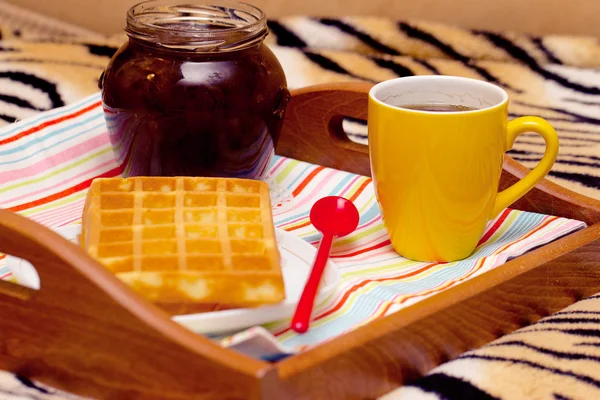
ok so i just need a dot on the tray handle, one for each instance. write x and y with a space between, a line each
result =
312 132
312 129
86 332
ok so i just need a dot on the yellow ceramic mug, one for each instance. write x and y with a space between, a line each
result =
437 173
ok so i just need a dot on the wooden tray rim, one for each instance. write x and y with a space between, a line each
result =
275 374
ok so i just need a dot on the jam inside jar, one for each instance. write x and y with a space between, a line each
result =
194 91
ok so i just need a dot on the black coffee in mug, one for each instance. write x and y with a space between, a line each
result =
438 107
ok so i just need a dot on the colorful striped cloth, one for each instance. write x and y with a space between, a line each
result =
47 163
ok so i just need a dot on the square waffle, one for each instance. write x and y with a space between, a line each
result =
181 241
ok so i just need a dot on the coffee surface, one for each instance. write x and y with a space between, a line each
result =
438 107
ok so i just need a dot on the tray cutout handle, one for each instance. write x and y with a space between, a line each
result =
84 322
312 133
312 128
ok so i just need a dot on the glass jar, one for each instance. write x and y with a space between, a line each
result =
194 91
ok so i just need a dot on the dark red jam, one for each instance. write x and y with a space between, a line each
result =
194 98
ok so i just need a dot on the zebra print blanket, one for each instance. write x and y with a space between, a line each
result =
556 77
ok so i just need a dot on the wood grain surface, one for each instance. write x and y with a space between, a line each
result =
312 132
394 350
86 332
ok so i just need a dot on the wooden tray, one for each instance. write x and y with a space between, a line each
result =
87 333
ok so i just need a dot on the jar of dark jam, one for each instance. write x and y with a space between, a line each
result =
194 91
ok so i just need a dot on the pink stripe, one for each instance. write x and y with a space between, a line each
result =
55 213
528 241
72 220
545 235
95 171
293 221
394 272
67 155
445 285
371 222
318 186
57 216
74 206
369 256
276 166
354 246
349 185
308 197
64 220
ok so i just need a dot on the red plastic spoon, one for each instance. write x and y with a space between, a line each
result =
335 217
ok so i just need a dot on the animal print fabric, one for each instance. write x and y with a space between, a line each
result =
555 77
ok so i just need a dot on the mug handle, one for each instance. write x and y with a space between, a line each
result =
515 128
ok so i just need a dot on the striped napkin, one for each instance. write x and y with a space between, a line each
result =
48 162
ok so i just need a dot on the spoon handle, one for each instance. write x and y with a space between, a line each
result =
301 319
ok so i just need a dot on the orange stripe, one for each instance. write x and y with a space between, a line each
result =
360 189
375 247
506 246
445 285
495 227
299 189
360 285
478 267
83 185
346 295
378 313
49 123
64 193
302 225
382 312
307 180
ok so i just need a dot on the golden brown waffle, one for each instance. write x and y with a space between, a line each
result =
186 240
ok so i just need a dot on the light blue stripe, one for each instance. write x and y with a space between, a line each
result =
370 214
524 223
10 129
365 217
304 214
312 238
56 144
386 291
396 259
289 186
343 182
38 140
300 175
366 303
